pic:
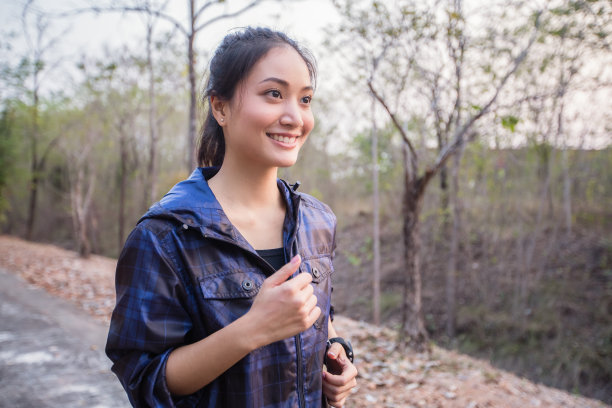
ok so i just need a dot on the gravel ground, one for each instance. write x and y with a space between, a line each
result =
387 377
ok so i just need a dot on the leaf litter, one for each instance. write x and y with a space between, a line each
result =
388 377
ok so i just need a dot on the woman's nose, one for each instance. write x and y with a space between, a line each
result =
292 116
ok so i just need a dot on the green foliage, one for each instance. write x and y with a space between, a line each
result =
353 259
509 122
387 144
8 148
389 301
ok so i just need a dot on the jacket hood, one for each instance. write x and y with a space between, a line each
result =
193 203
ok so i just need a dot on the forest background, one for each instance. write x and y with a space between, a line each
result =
465 147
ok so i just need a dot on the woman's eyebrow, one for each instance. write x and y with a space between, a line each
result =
284 83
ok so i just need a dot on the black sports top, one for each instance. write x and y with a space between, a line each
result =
275 257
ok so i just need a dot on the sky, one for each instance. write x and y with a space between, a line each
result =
89 34
304 20
301 19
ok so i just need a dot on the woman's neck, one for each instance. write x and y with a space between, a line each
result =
252 202
235 181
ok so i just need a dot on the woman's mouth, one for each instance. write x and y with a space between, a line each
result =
283 138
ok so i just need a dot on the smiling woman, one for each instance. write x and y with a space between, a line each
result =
269 119
224 286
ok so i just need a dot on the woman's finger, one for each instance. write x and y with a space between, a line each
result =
340 380
336 403
335 390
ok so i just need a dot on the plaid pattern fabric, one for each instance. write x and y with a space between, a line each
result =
181 276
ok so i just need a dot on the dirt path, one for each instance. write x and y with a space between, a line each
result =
51 353
387 378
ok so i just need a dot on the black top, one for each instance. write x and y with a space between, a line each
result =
275 257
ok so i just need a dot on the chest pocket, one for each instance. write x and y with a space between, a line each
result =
228 295
321 269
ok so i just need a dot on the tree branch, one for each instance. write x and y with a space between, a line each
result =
393 118
230 15
204 7
138 9
460 132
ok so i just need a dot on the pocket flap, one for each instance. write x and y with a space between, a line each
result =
319 268
231 285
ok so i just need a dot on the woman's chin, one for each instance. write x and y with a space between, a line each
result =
287 161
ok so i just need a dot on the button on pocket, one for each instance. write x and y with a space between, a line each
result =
320 269
231 284
247 285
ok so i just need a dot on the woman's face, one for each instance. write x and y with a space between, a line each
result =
269 118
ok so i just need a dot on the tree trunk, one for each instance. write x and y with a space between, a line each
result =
567 183
451 273
376 221
34 179
34 167
444 200
412 330
192 91
151 177
122 189
80 208
567 192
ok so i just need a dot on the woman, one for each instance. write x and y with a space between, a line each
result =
223 287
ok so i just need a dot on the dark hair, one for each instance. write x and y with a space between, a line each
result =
233 60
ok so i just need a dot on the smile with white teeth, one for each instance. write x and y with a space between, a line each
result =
283 139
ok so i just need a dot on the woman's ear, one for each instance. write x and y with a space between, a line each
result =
218 107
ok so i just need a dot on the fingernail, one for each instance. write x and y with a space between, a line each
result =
323 374
295 260
332 354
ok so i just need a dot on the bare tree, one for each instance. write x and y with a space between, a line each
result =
152 170
82 137
409 29
40 43
376 221
574 34
456 43
201 15
82 185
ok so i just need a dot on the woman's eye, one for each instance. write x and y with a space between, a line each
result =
307 99
274 93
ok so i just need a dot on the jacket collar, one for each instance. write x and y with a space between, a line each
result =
193 203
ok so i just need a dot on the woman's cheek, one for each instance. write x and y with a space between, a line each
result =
308 122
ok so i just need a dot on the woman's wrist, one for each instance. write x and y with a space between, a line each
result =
331 332
251 336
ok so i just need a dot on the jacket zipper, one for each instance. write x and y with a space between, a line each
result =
298 343
298 339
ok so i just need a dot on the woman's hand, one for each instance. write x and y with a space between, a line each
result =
339 378
281 309
284 308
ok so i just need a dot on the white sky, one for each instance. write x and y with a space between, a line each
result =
89 34
303 20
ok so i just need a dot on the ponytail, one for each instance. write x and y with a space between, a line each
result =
211 144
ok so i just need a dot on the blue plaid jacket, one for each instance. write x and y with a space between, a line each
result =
185 272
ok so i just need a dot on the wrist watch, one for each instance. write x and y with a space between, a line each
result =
346 345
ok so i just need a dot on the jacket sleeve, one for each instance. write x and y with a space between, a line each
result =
149 320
